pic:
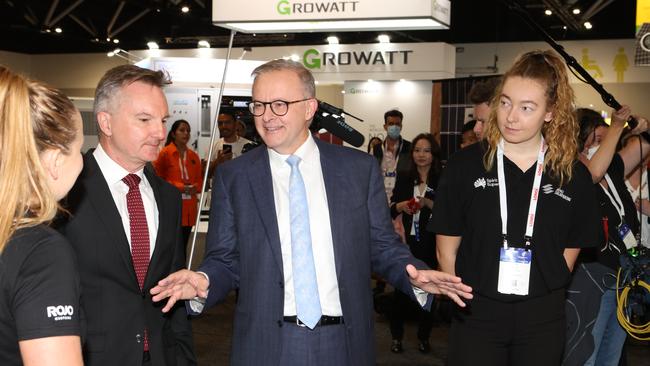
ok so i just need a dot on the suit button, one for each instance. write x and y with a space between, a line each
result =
281 283
280 323
138 338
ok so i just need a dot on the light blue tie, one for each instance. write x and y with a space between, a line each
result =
302 258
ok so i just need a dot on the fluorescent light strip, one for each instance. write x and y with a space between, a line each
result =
341 25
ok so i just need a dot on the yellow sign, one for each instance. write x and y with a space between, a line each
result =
642 13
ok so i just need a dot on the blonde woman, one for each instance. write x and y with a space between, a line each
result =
40 143
511 215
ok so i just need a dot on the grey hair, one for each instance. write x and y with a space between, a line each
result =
303 73
118 77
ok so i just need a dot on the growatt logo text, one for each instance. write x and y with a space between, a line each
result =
313 59
286 7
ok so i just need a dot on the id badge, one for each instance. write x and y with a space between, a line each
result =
186 196
625 233
514 271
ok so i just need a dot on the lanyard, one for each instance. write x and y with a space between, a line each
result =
615 199
181 161
534 194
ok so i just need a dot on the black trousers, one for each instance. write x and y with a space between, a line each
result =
424 250
403 305
529 332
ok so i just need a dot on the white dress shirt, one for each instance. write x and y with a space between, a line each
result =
113 174
319 225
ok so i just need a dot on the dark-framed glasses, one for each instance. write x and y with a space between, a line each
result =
278 107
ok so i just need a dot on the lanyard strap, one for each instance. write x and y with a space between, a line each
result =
614 197
181 162
534 194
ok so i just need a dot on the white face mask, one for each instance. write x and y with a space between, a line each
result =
592 150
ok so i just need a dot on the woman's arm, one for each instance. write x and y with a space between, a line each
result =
52 351
446 250
570 256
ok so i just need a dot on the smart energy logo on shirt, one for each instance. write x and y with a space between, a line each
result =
60 312
286 7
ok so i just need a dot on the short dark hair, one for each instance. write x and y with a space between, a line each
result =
483 91
468 126
229 114
393 113
120 76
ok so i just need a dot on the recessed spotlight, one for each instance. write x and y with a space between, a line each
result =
152 45
48 30
58 29
116 41
402 80
564 27
342 91
108 39
548 12
588 25
203 44
576 11
316 82
383 38
370 80
295 58
185 9
110 54
333 40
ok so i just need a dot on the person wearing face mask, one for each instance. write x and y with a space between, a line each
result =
393 154
608 169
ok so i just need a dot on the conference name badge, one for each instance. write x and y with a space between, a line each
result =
625 233
514 271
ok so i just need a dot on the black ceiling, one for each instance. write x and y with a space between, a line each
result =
24 25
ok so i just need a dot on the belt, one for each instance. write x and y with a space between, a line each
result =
324 320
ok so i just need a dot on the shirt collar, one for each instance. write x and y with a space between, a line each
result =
307 152
111 170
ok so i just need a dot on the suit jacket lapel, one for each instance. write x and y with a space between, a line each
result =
99 194
261 184
160 203
334 183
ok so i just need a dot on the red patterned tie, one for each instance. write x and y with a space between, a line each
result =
139 234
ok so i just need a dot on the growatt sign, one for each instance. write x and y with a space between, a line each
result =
285 7
314 59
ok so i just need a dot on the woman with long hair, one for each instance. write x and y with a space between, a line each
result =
40 141
413 197
181 166
511 215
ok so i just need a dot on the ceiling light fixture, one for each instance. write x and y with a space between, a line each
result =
333 40
58 29
576 11
116 41
152 45
548 12
383 38
382 16
203 44
588 25
185 9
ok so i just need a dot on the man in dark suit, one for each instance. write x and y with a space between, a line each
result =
297 226
125 229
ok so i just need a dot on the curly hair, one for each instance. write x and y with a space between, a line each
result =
560 133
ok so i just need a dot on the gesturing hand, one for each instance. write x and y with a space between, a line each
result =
436 282
181 285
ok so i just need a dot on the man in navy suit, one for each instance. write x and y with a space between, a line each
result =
252 235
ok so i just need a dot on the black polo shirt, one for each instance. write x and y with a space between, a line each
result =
467 205
40 290
609 253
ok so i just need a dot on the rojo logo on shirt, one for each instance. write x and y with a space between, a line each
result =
60 312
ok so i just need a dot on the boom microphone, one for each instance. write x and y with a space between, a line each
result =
331 119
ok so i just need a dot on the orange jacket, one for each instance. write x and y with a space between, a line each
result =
168 167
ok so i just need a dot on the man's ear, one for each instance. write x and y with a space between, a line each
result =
312 107
52 160
104 123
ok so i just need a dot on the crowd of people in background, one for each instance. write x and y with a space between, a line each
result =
539 198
